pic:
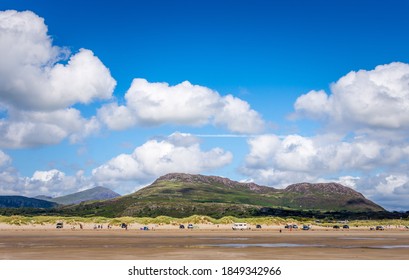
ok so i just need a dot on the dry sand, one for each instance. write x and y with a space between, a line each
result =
203 242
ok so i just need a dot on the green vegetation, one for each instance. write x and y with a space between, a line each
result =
183 195
196 219
17 201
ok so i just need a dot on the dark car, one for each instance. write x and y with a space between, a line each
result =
59 225
295 227
305 227
345 226
123 225
181 226
336 227
258 226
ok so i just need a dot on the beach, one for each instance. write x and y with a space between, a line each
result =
203 242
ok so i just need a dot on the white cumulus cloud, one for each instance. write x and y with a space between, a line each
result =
4 159
369 111
362 101
37 87
43 182
176 153
183 104
279 161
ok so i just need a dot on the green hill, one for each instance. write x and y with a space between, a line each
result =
181 195
15 201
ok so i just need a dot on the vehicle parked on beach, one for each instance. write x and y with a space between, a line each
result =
304 227
240 226
345 227
291 226
59 225
181 226
336 227
380 228
258 226
190 226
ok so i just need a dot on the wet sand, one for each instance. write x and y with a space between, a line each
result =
202 244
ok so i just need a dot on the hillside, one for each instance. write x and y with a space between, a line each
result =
14 201
97 193
179 195
326 196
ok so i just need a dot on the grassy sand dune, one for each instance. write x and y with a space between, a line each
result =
196 219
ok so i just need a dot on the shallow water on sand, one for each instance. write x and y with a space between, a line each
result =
291 245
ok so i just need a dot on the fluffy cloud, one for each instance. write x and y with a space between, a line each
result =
388 188
8 175
47 182
176 153
4 159
34 128
184 104
51 182
363 101
369 111
36 91
279 161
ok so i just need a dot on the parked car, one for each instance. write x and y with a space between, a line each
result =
240 226
59 225
181 226
379 228
144 228
304 227
123 225
336 227
190 226
258 226
291 226
345 226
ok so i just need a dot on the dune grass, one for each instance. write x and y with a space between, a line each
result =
195 219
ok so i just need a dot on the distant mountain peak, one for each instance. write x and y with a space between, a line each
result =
96 193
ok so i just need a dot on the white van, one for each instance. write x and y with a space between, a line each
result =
241 226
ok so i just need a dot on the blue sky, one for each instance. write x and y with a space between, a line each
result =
270 95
